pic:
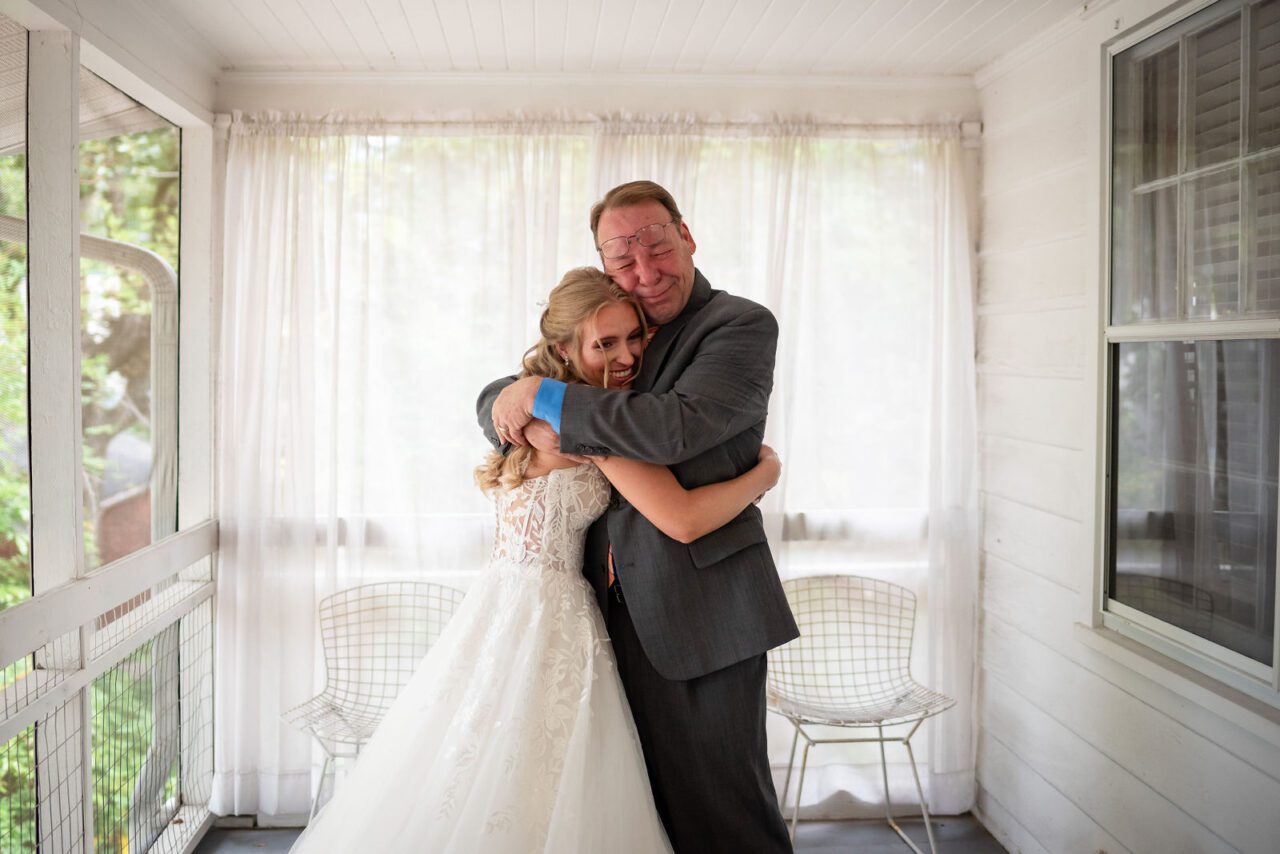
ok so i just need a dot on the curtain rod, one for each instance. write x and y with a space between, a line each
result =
969 131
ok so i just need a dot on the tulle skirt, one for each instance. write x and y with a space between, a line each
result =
514 735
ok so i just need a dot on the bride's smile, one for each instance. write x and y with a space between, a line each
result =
612 344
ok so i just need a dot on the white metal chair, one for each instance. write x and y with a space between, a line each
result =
374 636
851 667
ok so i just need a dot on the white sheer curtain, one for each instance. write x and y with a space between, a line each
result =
377 276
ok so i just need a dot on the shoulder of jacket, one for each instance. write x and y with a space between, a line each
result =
726 303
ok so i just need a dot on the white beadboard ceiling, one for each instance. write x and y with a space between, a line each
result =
739 37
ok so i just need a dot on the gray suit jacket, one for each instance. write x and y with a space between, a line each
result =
699 407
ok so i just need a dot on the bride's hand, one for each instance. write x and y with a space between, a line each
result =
769 460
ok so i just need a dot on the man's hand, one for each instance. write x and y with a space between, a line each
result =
539 434
514 409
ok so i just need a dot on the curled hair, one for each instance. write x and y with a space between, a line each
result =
580 296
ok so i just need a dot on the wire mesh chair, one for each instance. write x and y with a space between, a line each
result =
374 636
851 667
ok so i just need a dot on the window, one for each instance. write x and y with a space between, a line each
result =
129 194
1193 344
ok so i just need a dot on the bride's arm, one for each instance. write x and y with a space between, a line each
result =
687 514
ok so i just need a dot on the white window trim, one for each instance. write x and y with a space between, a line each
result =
1233 696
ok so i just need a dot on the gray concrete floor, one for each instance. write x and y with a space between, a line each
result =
955 835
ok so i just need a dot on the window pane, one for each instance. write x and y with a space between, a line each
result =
1145 263
1264 87
1214 69
1193 522
1264 237
1146 130
1145 217
15 475
1213 244
129 183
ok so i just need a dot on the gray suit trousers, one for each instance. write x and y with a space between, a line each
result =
705 748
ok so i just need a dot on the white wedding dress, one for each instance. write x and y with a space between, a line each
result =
514 734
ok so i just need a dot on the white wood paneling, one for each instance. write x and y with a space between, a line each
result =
640 36
857 37
369 34
677 25
1048 207
1192 807
804 21
1059 825
1039 476
582 21
550 29
428 36
1015 97
1048 343
931 32
865 26
459 36
392 20
1008 831
500 36
1039 542
1041 271
1038 409
1042 611
1114 799
611 34
1052 134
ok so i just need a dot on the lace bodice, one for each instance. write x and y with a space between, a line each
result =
543 522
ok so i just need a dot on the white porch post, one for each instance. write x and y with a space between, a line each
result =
62 740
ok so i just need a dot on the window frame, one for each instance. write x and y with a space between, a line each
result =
1250 677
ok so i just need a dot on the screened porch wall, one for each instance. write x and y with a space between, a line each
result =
1085 744
131 647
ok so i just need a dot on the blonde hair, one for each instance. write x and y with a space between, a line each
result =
580 296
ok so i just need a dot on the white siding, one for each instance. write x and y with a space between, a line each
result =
1077 753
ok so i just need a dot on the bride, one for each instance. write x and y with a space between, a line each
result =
514 734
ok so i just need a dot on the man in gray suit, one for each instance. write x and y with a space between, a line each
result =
690 624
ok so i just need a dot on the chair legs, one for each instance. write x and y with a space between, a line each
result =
804 766
888 807
791 763
924 807
884 776
324 775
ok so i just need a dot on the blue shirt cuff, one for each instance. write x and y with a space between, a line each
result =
548 402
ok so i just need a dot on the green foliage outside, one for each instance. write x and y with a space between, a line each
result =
122 728
129 191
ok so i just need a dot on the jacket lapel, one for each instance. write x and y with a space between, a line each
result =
663 342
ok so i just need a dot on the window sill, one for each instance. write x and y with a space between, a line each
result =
1231 705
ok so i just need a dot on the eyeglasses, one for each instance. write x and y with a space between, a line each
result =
648 237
